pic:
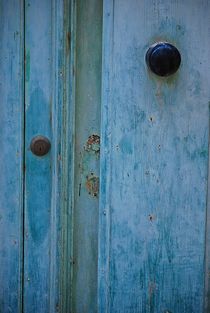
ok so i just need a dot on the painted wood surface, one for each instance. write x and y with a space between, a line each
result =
67 142
154 162
154 159
87 155
11 162
43 103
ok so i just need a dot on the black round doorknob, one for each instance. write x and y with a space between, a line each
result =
40 145
163 59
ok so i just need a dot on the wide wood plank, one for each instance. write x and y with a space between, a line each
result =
44 96
154 168
11 156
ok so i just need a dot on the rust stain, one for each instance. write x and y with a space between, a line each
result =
92 185
93 143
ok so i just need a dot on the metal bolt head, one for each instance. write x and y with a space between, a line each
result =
163 59
40 145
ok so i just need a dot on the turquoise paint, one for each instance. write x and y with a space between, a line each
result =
153 169
11 161
43 96
153 166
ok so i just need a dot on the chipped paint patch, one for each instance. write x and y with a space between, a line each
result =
92 185
93 143
89 158
152 217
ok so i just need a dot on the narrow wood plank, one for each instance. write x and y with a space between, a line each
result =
207 261
67 143
154 167
11 157
87 153
44 96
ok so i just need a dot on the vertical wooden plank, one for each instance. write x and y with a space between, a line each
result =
58 84
87 150
207 257
154 166
67 141
38 72
105 163
44 96
11 157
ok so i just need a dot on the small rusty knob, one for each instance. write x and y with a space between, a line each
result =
40 145
163 59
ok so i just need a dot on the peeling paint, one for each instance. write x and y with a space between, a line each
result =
151 217
92 185
93 143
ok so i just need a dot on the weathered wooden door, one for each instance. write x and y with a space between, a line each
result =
154 162
30 71
49 160
139 242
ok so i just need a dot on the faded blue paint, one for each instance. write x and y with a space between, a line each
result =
11 162
153 165
43 103
154 159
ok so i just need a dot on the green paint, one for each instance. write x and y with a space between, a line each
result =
87 151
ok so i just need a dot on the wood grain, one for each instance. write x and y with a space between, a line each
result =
11 156
154 163
87 154
43 104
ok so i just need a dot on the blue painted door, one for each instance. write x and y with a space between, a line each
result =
154 162
30 92
141 242
40 218
49 203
